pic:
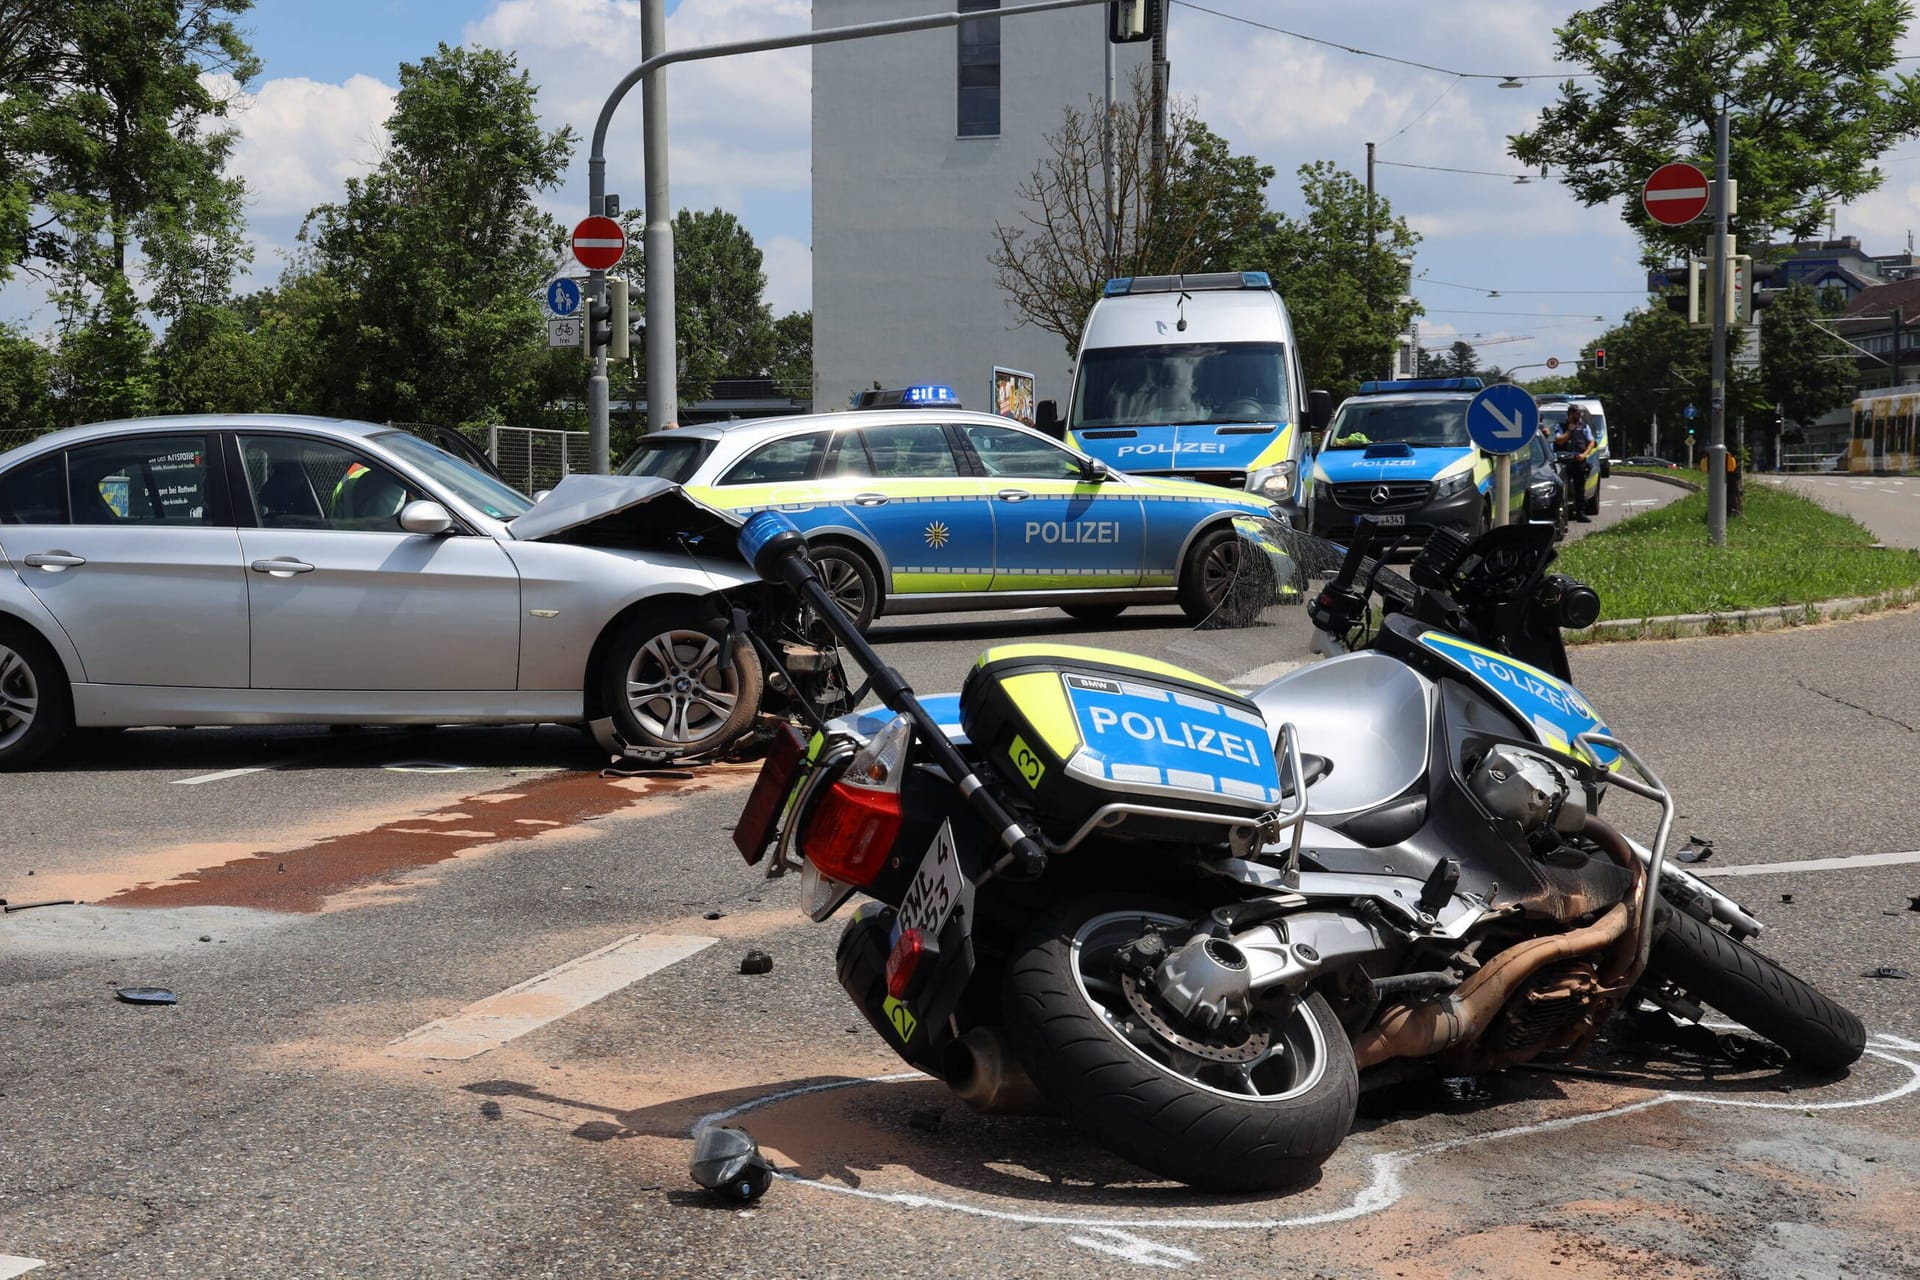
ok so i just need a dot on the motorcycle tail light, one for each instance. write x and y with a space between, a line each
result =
910 952
851 832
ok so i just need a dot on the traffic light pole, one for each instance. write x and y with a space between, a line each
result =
663 345
1717 424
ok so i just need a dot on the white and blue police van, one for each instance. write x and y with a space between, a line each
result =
1195 377
1399 452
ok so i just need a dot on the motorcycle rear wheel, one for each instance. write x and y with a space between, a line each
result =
1816 1032
1154 1103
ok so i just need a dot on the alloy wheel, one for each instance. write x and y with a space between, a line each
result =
19 697
842 579
677 689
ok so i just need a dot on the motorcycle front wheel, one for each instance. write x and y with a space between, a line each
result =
1178 1110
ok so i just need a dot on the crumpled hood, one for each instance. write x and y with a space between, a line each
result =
628 512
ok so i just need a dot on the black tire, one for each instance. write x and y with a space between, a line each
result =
1817 1033
851 580
1093 612
660 679
1144 1109
1221 583
36 705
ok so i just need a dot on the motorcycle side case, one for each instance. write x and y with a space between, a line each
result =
1071 730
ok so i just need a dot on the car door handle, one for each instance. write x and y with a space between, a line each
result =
869 499
284 567
55 561
1013 495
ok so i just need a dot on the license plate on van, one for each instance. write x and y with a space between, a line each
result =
1390 520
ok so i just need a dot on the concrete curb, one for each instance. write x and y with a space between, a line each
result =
1677 626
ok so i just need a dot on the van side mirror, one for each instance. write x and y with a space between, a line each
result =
1047 419
1319 410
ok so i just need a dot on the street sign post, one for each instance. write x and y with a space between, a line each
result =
1553 362
598 243
1675 195
563 296
564 331
1501 419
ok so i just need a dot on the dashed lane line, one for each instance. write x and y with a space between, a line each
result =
528 1006
1811 864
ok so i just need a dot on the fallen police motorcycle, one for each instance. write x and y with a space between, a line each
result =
1197 923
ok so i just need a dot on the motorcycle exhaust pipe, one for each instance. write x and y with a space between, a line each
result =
981 1069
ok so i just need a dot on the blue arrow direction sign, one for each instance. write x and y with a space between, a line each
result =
563 297
1503 418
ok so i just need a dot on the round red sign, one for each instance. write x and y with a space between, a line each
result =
598 243
1675 195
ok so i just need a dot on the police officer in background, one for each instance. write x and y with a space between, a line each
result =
1572 446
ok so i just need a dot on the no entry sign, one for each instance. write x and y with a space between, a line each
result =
1675 195
598 243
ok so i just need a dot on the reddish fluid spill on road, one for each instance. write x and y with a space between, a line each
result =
301 880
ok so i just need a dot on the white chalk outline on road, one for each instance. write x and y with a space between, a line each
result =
11 1266
546 997
224 774
1810 864
1383 1190
1137 1250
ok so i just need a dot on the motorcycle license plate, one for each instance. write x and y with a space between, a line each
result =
755 829
936 888
1389 520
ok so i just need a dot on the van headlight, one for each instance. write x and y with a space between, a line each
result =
1274 482
1453 486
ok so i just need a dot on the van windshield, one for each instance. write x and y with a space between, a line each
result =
1179 384
1423 424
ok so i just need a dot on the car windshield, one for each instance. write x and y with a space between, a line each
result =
1181 383
1553 416
668 457
467 482
1422 424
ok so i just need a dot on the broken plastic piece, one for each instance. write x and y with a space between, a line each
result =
727 1162
1887 971
1698 850
756 961
146 995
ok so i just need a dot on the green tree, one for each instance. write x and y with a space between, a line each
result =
1204 210
1342 284
1658 365
1804 369
212 361
101 369
1809 86
792 364
427 278
26 388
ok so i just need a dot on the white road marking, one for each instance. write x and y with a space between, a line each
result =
1811 864
11 1266
1383 1189
1135 1249
224 774
528 1006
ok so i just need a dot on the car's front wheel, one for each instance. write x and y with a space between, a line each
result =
663 681
34 710
850 580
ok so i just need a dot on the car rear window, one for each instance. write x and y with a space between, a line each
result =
34 493
668 457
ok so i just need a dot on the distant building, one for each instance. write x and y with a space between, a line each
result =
919 142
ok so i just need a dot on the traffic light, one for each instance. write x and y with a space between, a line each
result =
1132 20
1687 278
1758 273
608 322
1599 357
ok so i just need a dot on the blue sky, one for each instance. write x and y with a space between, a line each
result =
740 134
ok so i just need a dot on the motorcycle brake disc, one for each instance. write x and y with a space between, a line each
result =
1246 1051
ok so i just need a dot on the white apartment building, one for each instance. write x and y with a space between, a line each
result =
919 142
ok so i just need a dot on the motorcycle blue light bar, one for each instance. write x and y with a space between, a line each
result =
1420 384
761 528
1121 286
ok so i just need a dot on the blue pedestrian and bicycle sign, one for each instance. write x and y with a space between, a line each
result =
1503 418
563 297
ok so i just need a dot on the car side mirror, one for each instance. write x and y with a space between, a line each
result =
429 518
1047 419
1094 471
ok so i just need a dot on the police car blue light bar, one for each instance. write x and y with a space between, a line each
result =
1420 384
1121 286
926 395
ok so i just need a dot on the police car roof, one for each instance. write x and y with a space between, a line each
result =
736 427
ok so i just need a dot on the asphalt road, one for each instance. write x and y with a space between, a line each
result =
347 891
1888 505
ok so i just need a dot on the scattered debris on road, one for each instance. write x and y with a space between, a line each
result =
1887 971
146 995
10 907
1698 849
727 1162
756 961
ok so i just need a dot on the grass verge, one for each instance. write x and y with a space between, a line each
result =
1784 550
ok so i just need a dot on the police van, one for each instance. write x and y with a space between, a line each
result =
1399 453
1195 377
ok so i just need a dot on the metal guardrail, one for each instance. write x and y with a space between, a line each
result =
536 458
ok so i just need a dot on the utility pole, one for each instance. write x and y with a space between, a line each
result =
1370 232
1112 238
1899 320
1717 422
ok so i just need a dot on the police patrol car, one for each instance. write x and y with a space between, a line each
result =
1399 452
926 507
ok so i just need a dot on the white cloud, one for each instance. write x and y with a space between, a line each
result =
300 140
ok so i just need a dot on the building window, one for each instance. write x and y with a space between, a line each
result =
979 78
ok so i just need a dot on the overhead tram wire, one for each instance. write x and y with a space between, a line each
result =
1384 57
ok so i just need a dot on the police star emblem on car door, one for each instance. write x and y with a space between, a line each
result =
937 534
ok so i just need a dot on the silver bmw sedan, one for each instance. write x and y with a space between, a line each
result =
260 569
